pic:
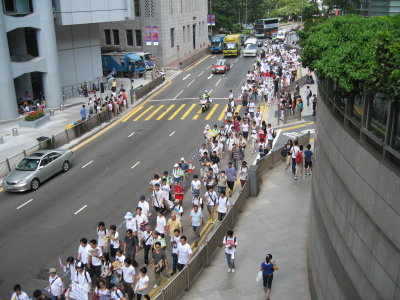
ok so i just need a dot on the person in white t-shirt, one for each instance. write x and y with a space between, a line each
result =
184 253
94 262
130 223
223 205
83 251
230 244
56 285
158 199
83 277
128 278
196 184
142 285
19 294
156 180
161 222
211 199
294 151
245 129
119 256
102 235
175 240
144 205
114 240
142 221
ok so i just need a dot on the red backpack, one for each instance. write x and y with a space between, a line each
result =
299 157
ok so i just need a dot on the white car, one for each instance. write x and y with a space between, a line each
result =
280 36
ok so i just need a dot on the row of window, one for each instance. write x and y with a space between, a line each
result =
186 32
114 39
373 117
186 6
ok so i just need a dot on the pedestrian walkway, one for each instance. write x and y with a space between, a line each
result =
275 222
27 137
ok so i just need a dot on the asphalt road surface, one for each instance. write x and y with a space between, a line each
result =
108 175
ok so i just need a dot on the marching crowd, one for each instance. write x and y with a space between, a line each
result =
107 267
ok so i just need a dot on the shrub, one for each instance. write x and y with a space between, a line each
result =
34 115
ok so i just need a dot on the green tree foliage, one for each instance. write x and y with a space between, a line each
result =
358 53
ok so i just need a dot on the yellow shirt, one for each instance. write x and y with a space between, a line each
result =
172 225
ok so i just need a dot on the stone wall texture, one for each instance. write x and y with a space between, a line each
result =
354 240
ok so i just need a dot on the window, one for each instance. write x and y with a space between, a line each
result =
137 8
181 6
378 115
138 36
184 32
188 32
170 7
116 36
107 36
172 37
9 6
129 37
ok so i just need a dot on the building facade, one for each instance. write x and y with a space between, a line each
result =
354 238
50 46
168 29
373 8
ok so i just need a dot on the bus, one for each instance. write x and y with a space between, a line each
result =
265 27
231 46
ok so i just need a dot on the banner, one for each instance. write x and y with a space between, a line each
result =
78 292
155 35
211 20
148 35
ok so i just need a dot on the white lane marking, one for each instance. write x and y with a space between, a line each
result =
236 60
172 133
131 134
22 205
191 82
79 210
213 56
209 77
84 166
209 67
186 77
200 74
135 164
218 81
178 94
180 99
224 75
210 91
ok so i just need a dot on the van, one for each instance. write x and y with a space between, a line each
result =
146 56
280 37
250 47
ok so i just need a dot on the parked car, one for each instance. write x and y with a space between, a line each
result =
36 168
220 66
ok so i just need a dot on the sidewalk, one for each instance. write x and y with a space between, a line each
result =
281 230
27 136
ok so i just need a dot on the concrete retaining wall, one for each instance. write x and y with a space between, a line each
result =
354 240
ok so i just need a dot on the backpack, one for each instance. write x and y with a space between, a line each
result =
299 157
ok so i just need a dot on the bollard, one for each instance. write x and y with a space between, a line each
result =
1 140
62 107
15 132
51 112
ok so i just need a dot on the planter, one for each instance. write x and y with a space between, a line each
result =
35 124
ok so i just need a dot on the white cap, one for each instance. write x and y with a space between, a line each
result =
128 215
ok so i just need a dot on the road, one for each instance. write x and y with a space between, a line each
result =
107 176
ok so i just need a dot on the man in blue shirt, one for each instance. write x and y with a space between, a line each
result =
83 113
308 159
230 172
196 220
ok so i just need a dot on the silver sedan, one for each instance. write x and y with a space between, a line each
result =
37 168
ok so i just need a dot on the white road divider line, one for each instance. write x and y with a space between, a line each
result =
218 81
131 134
178 94
213 56
235 60
22 205
186 77
191 82
209 77
135 164
84 166
172 133
79 210
200 74
209 67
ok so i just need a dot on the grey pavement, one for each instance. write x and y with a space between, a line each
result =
275 222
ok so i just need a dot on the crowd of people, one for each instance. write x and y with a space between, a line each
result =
107 266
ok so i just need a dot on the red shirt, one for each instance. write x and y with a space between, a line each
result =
179 191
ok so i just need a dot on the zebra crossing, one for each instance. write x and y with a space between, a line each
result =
179 112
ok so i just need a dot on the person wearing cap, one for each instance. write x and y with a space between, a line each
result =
184 167
144 205
176 173
19 294
130 223
83 277
56 286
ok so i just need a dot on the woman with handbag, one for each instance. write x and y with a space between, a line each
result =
159 263
267 268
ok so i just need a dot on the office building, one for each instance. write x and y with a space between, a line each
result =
50 47
170 30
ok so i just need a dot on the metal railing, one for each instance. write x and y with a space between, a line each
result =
187 277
